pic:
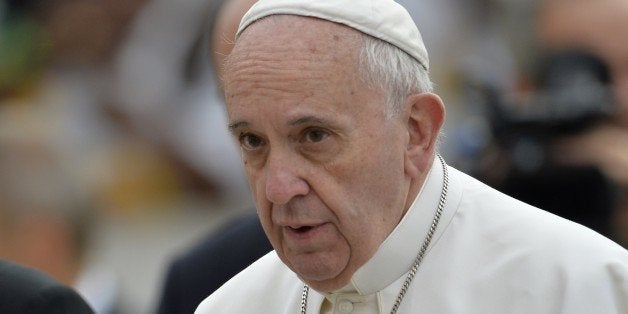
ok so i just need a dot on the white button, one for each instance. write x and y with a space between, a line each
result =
345 306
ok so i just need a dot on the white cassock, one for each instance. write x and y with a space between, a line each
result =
490 254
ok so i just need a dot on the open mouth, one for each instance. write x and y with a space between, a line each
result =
311 232
302 229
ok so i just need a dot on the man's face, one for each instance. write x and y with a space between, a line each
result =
598 26
325 164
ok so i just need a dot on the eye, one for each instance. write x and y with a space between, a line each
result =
250 142
315 135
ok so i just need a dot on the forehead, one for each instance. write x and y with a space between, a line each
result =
293 60
286 39
598 25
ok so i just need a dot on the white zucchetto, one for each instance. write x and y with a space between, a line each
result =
383 19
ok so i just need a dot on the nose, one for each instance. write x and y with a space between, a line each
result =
284 179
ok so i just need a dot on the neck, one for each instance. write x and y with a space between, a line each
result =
416 185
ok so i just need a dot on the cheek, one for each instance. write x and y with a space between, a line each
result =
370 192
262 205
384 194
377 174
264 212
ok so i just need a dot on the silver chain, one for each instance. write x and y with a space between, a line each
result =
419 257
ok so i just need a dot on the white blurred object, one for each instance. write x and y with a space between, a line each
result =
151 86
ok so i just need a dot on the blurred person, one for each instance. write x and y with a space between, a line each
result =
58 127
201 269
47 209
130 175
164 86
598 28
363 214
47 220
80 39
26 290
560 140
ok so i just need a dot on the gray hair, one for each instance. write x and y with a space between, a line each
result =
393 71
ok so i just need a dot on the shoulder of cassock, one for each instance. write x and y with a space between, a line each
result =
531 258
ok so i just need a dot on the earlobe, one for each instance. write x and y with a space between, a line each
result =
425 114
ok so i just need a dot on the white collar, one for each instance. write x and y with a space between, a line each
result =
397 253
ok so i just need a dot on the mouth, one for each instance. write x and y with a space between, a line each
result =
301 229
305 238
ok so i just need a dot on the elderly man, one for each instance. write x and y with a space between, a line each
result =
331 103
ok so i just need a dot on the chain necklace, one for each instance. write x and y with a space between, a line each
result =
419 257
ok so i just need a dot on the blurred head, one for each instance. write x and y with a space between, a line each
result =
224 30
87 32
337 130
595 26
44 217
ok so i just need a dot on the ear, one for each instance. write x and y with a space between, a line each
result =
425 114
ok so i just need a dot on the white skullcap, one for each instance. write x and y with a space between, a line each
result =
383 19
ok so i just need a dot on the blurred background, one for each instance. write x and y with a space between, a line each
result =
114 153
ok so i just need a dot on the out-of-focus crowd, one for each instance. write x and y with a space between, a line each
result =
113 146
114 152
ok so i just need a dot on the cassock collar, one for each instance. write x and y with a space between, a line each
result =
395 256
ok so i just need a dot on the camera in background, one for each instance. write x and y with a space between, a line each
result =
571 95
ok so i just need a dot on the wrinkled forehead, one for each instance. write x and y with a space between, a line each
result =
287 38
295 61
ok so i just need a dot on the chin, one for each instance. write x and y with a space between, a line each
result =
322 271
328 285
325 281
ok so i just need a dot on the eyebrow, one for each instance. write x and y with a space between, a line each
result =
298 121
309 119
237 124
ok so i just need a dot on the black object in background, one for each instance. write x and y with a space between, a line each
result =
580 194
572 95
26 290
201 270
